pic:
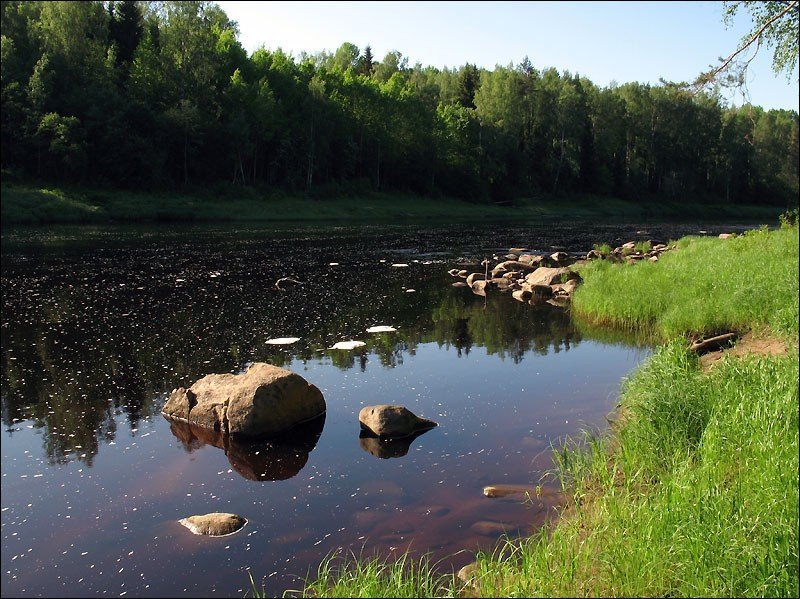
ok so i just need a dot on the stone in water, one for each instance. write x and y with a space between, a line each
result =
282 340
217 524
347 345
381 329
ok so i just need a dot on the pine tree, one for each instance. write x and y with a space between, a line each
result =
468 82
365 66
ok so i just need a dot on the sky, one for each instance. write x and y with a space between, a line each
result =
606 42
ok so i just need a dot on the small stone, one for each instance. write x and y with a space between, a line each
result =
392 421
216 524
506 490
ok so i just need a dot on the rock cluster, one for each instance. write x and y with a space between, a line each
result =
530 278
536 278
632 252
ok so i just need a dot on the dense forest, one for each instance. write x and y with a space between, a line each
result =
157 95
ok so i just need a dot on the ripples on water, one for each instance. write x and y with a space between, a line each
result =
99 325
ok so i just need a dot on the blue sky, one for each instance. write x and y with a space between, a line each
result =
604 41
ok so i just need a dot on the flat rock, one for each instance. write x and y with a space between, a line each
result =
501 490
551 276
216 524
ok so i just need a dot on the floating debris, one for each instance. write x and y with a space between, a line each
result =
347 345
400 265
282 341
381 329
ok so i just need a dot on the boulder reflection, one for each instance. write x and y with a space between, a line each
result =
277 458
387 448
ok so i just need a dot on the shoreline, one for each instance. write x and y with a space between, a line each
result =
660 504
32 204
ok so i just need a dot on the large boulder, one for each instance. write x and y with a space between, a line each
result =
551 276
392 421
264 401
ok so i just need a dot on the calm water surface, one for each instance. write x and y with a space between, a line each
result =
99 325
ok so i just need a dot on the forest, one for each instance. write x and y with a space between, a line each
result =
162 95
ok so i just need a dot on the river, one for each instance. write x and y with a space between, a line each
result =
100 324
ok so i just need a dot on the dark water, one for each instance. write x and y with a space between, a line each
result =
99 325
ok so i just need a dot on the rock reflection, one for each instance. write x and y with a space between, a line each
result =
277 458
387 448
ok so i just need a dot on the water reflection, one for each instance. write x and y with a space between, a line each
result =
92 331
278 458
387 448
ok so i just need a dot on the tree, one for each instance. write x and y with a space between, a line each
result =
775 24
125 29
365 65
468 82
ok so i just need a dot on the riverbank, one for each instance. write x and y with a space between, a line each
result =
694 490
32 203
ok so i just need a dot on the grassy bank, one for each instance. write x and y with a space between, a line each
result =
694 491
29 203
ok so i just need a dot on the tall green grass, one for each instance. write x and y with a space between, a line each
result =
695 495
694 491
705 286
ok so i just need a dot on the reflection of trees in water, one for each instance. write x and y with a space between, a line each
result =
86 340
503 326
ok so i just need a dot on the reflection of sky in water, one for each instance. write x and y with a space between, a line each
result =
93 480
114 523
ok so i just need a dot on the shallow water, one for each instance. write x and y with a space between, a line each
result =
98 325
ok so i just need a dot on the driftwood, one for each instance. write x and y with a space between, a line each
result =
713 343
284 280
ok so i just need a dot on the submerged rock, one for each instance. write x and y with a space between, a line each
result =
490 529
392 421
506 490
264 400
216 524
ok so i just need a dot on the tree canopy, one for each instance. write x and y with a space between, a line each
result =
162 94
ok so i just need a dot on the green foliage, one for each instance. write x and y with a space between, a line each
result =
789 219
779 23
603 249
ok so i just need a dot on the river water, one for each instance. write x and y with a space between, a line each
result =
99 325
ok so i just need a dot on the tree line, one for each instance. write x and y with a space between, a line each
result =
162 94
